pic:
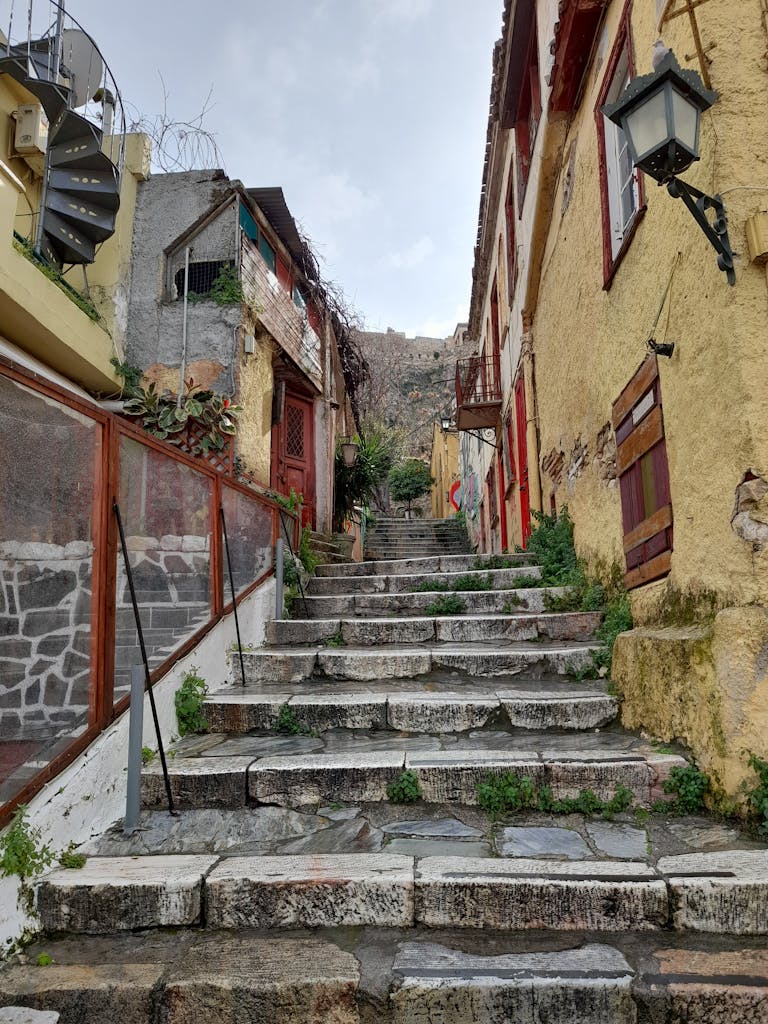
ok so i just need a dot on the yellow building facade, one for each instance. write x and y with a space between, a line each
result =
604 261
444 468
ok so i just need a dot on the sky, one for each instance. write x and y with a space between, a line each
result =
371 115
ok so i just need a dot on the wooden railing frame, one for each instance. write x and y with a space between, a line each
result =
102 709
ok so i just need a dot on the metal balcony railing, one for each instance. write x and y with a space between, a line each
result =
478 393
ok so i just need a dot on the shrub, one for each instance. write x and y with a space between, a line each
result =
510 794
409 481
189 700
757 795
688 786
22 851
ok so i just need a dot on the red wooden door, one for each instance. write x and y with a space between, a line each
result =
522 460
502 504
293 452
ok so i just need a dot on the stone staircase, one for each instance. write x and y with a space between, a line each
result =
390 538
291 887
332 548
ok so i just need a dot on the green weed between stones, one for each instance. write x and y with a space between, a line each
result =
451 604
69 858
500 795
465 583
189 700
22 851
148 755
757 794
44 960
288 724
405 789
687 786
336 639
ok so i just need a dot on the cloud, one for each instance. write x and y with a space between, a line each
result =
435 327
413 256
401 10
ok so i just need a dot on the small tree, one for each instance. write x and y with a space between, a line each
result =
409 481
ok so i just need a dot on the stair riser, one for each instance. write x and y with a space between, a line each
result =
372 632
396 567
410 713
501 579
291 783
491 602
360 665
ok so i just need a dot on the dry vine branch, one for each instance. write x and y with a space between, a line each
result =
329 298
179 145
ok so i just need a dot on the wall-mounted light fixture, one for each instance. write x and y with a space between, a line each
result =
349 451
660 115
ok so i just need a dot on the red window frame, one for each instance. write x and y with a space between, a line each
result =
510 218
643 471
622 43
528 117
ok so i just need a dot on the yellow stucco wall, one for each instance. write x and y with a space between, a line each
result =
444 467
710 689
589 342
254 430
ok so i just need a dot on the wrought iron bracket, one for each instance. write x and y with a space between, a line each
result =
716 230
477 434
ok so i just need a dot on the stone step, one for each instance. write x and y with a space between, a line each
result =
358 773
576 707
483 977
479 602
401 552
371 632
289 664
498 579
694 893
409 566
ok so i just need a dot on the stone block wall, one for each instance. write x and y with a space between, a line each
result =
45 637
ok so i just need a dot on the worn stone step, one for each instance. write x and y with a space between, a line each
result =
344 890
371 632
581 707
587 985
500 579
483 602
407 566
462 976
358 773
289 664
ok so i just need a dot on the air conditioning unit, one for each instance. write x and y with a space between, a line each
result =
31 135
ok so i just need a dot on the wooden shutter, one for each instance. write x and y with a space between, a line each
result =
641 462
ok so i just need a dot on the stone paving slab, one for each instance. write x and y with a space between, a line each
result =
316 891
430 564
592 985
501 579
723 892
523 894
23 1015
119 893
587 710
197 782
528 599
439 712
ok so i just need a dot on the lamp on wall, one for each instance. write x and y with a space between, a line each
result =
445 423
349 451
660 116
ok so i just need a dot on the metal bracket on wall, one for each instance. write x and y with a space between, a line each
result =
675 9
717 230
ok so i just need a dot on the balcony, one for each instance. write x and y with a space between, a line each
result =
478 393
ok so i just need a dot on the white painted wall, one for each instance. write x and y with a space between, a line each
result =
87 797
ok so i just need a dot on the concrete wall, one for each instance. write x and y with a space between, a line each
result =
166 206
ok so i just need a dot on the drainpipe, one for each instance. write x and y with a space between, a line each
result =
531 433
183 368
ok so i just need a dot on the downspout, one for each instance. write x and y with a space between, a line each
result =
183 367
531 415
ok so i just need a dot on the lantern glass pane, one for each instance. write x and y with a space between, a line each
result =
647 124
686 117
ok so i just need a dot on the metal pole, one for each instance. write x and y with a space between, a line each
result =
234 596
183 368
279 552
144 658
135 734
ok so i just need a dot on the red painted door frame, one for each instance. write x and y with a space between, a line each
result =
293 451
521 422
502 502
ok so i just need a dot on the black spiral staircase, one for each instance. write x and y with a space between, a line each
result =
82 193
